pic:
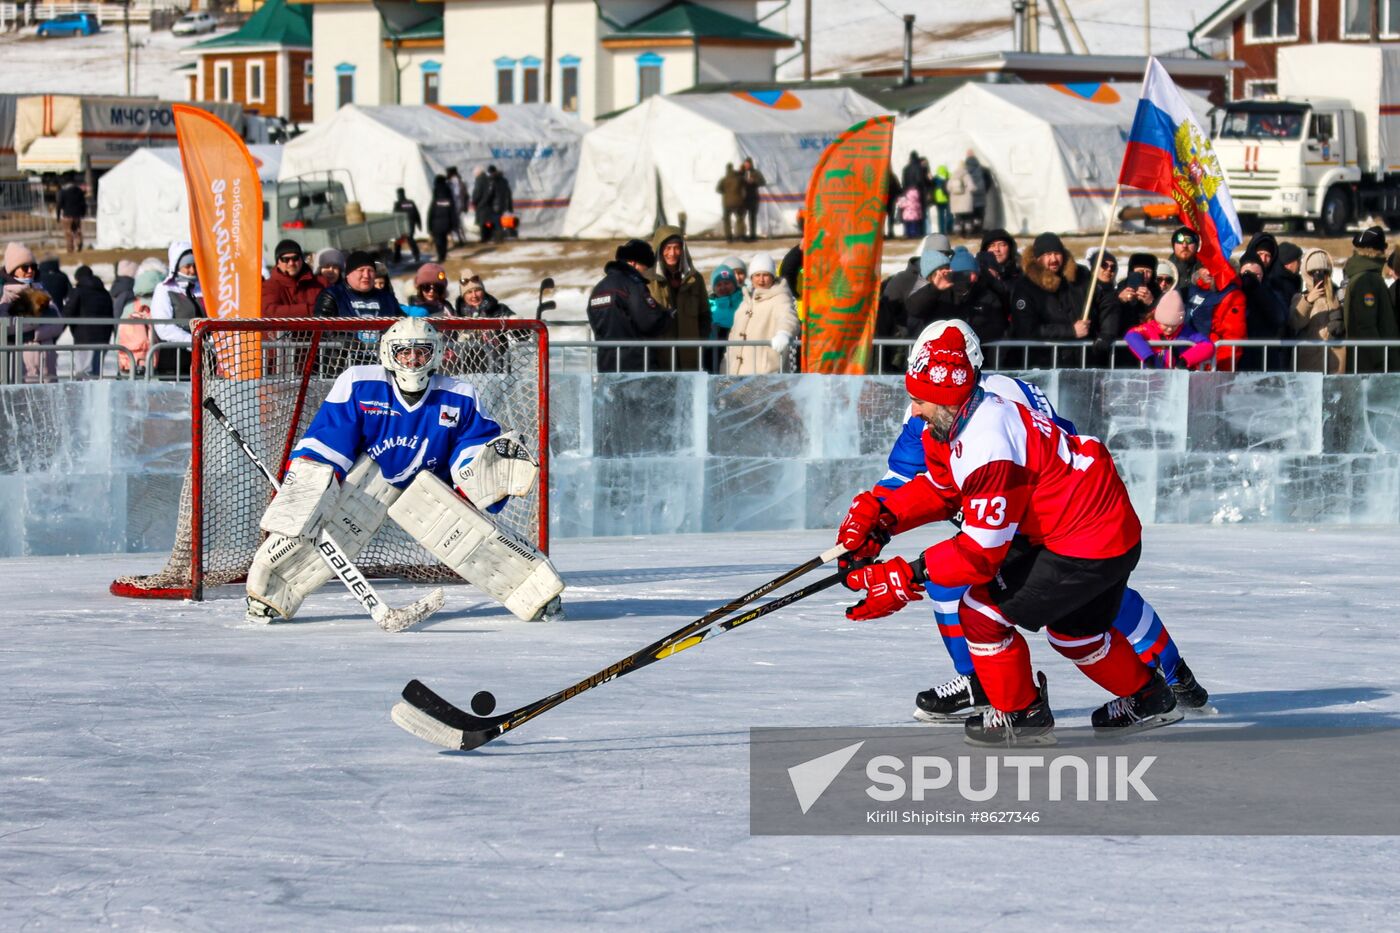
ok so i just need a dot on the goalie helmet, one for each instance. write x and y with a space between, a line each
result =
412 350
972 346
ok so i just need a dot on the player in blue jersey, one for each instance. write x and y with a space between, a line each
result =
1137 620
400 441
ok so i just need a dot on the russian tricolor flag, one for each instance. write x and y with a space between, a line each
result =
1169 153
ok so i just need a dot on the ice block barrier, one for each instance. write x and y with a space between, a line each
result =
96 467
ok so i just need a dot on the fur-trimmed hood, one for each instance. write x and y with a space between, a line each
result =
1043 278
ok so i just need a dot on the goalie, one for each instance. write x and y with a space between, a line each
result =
387 442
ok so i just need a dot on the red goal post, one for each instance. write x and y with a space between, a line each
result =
269 376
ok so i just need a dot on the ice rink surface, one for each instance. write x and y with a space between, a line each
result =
168 767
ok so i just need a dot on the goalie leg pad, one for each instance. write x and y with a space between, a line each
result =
307 495
503 468
456 533
286 570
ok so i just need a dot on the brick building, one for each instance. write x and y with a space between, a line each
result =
1256 29
265 66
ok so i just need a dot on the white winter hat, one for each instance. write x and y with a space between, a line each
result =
761 262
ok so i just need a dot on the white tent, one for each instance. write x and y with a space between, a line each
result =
665 156
535 146
1053 150
141 200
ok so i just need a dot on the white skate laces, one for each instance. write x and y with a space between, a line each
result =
1119 706
959 684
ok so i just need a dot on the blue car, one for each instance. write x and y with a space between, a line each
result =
70 24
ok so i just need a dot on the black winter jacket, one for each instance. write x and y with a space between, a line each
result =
621 308
89 299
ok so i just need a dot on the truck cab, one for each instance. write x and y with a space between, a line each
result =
1291 160
319 211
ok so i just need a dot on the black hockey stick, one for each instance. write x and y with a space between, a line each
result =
385 616
430 717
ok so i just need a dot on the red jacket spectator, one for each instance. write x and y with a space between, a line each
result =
291 290
1219 313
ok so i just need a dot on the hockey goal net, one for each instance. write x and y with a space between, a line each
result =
269 377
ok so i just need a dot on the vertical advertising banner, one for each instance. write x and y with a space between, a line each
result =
225 199
843 238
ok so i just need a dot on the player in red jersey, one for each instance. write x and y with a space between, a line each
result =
1048 540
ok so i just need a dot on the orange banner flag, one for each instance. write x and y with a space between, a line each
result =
843 237
225 200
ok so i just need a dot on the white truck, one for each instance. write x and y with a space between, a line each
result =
1326 149
60 133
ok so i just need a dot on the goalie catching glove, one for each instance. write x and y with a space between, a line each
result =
889 585
503 468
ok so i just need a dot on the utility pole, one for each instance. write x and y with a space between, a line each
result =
126 43
907 74
807 40
548 51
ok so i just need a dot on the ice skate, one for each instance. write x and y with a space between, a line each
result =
1191 697
260 613
951 702
1152 706
1034 725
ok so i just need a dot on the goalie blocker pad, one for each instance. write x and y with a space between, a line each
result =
287 569
458 534
304 500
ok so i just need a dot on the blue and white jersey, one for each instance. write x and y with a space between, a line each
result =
364 413
907 456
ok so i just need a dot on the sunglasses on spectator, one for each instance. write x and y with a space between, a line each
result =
434 287
1110 266
290 257
1183 238
30 266
1163 278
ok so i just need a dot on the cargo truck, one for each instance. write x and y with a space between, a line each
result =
315 210
1326 149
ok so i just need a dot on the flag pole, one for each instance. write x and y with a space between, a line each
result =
1098 258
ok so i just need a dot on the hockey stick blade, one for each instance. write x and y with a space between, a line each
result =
416 722
451 723
397 620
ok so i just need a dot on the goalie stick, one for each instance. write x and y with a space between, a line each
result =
385 616
428 716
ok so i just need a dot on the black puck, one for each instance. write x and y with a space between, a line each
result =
484 703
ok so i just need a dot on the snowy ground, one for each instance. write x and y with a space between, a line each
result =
168 767
94 64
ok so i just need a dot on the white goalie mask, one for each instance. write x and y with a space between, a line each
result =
934 330
412 350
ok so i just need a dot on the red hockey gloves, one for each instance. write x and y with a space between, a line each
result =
888 586
865 531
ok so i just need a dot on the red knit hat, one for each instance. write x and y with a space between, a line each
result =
940 371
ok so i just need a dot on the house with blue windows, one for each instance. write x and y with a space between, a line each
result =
588 57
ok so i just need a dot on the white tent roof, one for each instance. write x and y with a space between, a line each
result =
535 146
666 155
1053 150
141 200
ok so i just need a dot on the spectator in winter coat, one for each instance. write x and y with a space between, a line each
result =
492 198
122 285
960 192
731 201
954 290
753 180
475 301
441 217
739 268
768 312
355 295
1219 312
891 202
978 175
290 289
178 300
678 287
1047 301
1265 314
790 271
725 298
459 202
912 212
429 292
403 204
330 267
381 277
1005 268
23 297
1107 305
55 281
89 299
940 199
1185 245
72 207
1316 314
1168 322
137 337
1367 313
620 307
915 176
1166 276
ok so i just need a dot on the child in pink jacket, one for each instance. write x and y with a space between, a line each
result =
1168 322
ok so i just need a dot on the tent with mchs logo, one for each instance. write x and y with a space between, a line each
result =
1053 150
664 157
141 202
536 146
